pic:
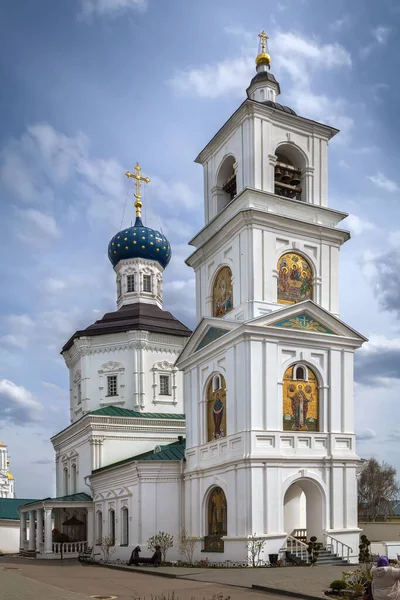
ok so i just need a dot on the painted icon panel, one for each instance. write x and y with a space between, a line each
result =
300 402
216 408
294 279
222 293
217 513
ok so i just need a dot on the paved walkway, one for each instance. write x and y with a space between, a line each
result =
24 579
298 582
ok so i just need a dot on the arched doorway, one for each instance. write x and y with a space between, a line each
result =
303 508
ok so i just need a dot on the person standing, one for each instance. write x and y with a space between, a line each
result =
385 580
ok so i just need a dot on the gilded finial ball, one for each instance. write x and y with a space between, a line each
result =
263 58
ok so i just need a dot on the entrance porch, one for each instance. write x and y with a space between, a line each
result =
57 527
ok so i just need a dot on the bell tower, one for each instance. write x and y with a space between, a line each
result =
269 370
266 195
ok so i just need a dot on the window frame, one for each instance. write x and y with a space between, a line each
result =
146 278
114 377
166 377
130 283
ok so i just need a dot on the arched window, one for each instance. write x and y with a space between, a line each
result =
226 182
289 170
65 480
216 410
217 513
300 373
111 526
216 383
73 479
124 527
222 293
295 279
300 400
99 527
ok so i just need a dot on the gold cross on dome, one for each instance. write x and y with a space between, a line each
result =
263 37
138 179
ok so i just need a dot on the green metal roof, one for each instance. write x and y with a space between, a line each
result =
174 451
80 497
116 411
8 507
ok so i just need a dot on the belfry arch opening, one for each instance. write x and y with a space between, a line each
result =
303 508
289 172
226 182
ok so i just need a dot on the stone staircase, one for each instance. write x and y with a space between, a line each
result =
333 552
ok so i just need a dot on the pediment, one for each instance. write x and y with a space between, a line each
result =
209 330
303 322
308 317
211 334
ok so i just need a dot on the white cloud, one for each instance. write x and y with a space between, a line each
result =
378 343
53 286
366 434
14 341
213 80
18 405
110 8
328 56
381 181
41 157
340 24
358 225
35 225
381 34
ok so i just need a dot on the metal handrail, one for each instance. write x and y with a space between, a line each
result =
337 547
296 547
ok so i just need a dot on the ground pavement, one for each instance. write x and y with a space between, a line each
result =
29 579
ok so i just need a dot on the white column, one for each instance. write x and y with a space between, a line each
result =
48 542
22 530
31 530
90 527
39 528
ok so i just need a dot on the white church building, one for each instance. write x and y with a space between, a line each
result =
245 425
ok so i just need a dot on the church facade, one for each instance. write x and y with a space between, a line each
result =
247 425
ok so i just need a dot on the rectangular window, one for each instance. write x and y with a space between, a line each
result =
165 388
147 283
130 281
112 385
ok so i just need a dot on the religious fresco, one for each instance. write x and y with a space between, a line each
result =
300 402
294 279
216 409
222 293
217 513
303 322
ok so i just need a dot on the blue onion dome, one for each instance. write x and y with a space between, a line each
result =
139 242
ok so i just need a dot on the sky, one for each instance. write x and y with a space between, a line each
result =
89 87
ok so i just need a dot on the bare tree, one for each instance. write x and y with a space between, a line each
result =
377 489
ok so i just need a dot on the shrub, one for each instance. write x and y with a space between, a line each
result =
358 590
162 539
364 549
313 548
338 585
255 546
187 546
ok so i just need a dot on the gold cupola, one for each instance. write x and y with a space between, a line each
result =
263 58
